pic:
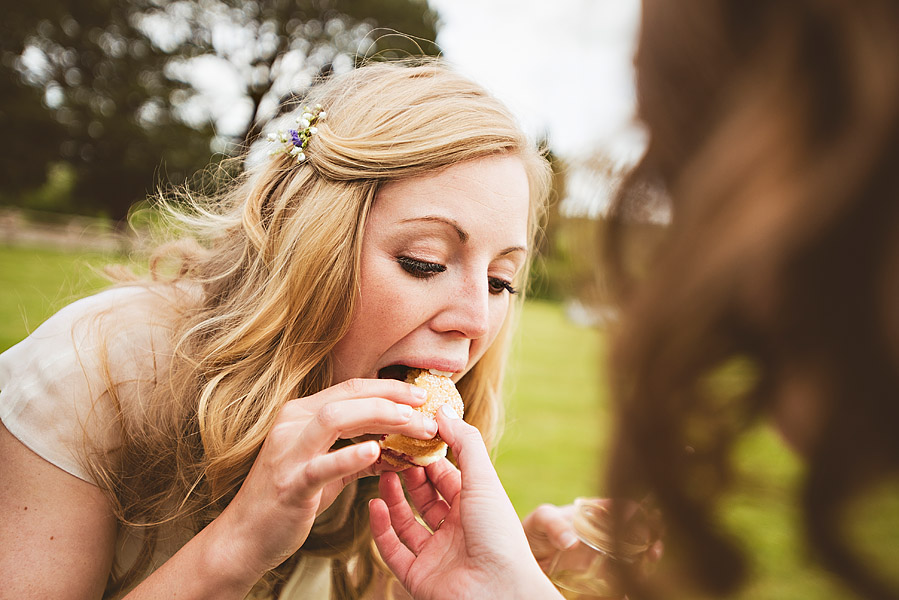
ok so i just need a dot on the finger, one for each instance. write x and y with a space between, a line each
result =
352 418
379 467
339 464
373 470
445 477
412 533
430 505
655 552
391 389
469 450
397 556
552 523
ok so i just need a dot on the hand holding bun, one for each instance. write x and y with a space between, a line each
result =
403 451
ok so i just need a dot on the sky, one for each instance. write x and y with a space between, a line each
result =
564 67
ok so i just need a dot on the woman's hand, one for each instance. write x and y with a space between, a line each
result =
296 475
473 545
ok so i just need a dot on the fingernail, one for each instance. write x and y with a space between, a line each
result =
448 412
420 393
431 426
405 411
368 450
568 540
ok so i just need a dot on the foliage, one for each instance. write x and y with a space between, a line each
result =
275 49
575 246
114 88
106 98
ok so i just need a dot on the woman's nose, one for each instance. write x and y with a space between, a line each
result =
466 310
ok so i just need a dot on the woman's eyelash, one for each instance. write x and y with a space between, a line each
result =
420 268
424 269
497 286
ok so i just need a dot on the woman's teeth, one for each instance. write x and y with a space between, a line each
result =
440 373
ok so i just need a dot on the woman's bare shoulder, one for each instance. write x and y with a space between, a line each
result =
93 363
58 530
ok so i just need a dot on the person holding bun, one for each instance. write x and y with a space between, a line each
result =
209 431
774 130
471 543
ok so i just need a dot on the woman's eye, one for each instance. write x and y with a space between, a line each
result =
498 286
420 268
424 269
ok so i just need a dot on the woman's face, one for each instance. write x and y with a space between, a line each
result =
440 255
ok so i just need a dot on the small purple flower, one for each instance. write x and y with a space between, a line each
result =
294 141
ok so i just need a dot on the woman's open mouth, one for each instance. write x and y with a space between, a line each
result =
394 372
400 372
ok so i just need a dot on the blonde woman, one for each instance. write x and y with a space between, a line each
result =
191 435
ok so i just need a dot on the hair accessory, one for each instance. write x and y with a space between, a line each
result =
294 141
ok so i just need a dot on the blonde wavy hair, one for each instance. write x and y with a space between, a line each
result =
276 258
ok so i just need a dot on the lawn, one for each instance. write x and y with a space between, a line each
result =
36 283
556 421
557 426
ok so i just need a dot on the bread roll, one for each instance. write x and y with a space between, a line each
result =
403 451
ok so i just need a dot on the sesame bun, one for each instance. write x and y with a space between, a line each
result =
403 451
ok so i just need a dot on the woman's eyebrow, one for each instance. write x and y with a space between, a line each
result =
512 250
463 235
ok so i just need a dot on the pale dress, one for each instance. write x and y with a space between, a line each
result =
53 393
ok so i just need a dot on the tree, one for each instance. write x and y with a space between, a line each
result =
118 79
28 130
275 48
106 104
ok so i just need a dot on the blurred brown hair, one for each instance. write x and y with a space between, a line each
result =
774 127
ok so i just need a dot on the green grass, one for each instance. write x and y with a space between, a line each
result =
556 433
556 425
35 283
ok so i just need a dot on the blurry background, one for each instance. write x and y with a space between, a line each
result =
104 101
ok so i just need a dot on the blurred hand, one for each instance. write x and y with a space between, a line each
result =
549 530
